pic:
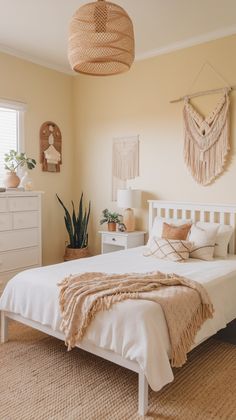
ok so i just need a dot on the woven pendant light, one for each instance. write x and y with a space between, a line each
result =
101 39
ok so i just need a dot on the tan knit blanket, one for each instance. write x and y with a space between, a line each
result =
185 303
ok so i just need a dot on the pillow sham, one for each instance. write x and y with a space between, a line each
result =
203 241
169 249
223 236
175 232
158 225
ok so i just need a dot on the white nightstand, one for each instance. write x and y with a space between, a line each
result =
116 241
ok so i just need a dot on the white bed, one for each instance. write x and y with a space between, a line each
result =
134 332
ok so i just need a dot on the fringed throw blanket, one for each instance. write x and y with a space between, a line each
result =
185 303
206 140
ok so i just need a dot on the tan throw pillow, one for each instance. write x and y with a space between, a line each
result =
158 225
175 232
169 249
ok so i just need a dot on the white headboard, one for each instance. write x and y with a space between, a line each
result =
224 214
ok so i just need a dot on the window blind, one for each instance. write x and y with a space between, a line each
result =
9 133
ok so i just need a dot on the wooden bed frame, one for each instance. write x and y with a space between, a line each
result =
204 212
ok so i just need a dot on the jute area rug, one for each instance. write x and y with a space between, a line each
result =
39 379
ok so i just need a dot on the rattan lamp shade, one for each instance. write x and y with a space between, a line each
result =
101 39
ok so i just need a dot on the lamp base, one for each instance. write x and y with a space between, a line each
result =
129 220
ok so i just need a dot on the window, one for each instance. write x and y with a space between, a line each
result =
11 130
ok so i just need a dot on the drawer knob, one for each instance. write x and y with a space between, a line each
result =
114 239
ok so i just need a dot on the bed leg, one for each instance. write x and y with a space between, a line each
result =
4 327
142 394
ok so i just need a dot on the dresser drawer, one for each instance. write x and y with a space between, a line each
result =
23 203
114 240
5 221
8 275
5 277
3 204
19 239
27 219
13 260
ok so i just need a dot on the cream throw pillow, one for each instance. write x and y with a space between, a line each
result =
169 249
223 236
203 242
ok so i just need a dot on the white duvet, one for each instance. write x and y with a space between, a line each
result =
134 329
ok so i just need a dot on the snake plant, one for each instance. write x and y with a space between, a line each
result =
77 224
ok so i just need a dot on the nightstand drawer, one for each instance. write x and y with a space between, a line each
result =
114 240
117 241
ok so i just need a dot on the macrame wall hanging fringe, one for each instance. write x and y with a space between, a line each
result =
125 162
206 141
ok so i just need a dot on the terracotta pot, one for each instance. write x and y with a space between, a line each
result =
11 180
111 226
75 253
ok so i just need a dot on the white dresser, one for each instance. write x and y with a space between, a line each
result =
20 233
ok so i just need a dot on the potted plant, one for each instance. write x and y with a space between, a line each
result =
111 219
14 160
77 228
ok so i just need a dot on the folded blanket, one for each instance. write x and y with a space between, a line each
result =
185 304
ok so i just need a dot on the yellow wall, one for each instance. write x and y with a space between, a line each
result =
91 111
138 103
48 94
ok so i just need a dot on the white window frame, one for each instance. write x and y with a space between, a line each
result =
20 107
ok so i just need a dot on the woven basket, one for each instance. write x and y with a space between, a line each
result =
75 253
101 39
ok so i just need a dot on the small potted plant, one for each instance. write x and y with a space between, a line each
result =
77 228
14 160
111 219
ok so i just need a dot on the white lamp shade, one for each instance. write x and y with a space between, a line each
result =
129 198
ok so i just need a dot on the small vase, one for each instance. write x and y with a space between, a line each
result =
27 182
11 180
111 226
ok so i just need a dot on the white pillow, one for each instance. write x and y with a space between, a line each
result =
168 249
203 240
223 236
158 226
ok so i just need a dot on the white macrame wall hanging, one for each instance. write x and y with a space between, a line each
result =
206 140
125 162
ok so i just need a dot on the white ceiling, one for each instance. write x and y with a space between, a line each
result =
37 29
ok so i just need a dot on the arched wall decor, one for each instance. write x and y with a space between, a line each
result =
50 147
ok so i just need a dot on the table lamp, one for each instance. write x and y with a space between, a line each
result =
129 199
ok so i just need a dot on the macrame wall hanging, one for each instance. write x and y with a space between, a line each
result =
206 140
50 147
125 162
